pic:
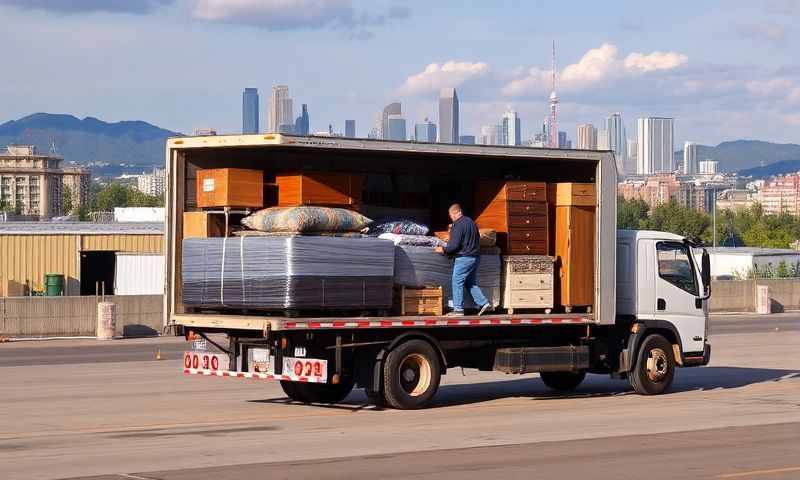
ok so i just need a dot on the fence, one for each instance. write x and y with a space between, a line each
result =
740 295
77 316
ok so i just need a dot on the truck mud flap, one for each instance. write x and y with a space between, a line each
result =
541 359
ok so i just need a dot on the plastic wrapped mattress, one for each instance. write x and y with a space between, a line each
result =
288 272
419 266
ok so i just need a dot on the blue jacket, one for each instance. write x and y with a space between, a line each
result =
465 240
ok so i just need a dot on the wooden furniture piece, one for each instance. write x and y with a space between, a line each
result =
574 231
203 225
230 187
528 282
319 188
426 300
517 211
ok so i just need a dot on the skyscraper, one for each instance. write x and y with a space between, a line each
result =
562 140
587 137
553 119
448 116
510 129
656 145
618 142
425 132
350 128
280 110
602 139
490 135
392 109
250 111
396 128
301 125
689 158
633 154
466 139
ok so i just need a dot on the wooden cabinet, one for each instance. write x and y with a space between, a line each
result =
517 211
574 234
230 187
203 225
319 188
528 282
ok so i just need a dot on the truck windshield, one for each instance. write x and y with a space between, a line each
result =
675 267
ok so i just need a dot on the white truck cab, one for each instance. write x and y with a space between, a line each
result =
661 286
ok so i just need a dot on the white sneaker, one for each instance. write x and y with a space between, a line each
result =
455 313
486 308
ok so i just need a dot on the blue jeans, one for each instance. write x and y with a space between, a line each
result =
465 275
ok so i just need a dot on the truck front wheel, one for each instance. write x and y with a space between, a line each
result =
411 375
562 381
655 366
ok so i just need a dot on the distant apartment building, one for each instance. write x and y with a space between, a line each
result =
618 142
466 139
510 129
394 108
33 185
689 166
280 110
152 183
656 146
425 132
490 135
655 190
708 167
396 128
781 195
350 128
448 116
250 111
587 137
693 192
602 139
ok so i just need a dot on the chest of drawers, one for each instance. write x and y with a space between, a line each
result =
517 211
528 282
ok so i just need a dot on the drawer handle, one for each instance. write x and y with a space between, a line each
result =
528 221
527 208
527 235
527 247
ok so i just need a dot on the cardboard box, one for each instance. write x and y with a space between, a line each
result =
230 187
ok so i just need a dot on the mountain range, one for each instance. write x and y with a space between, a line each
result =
89 140
746 154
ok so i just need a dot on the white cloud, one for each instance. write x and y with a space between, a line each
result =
595 66
769 32
276 14
437 76
767 88
646 63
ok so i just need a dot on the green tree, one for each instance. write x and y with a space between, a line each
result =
679 220
67 204
631 213
118 195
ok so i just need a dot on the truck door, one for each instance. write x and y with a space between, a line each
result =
677 290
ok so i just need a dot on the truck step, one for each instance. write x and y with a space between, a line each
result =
541 359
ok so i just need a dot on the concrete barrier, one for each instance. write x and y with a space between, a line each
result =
740 295
137 315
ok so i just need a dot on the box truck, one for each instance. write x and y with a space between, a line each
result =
646 314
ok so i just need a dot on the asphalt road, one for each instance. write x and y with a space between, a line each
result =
64 413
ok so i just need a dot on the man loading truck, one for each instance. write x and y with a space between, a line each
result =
464 243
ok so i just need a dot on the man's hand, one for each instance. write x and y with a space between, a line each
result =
438 250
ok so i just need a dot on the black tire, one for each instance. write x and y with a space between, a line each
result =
318 392
562 381
411 375
655 366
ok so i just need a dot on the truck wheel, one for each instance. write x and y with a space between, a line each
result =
562 381
655 366
411 375
318 392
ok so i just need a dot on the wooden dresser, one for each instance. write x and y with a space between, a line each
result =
517 211
573 206
528 282
319 188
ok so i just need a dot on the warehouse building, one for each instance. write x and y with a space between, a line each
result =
124 256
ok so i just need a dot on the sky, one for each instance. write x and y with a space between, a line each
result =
725 70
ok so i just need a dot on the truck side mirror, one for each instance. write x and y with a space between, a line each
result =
705 272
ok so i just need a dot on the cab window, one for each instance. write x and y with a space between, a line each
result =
675 267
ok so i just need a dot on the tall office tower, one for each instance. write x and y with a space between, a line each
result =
377 126
617 141
553 119
448 116
392 109
280 110
587 137
301 125
602 139
562 140
689 158
466 139
656 145
350 128
396 128
633 154
425 132
250 111
511 131
490 135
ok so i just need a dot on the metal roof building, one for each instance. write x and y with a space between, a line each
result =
84 252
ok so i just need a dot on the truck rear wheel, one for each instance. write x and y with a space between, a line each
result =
317 392
411 375
562 381
655 366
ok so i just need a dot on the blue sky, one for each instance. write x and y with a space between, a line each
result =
724 69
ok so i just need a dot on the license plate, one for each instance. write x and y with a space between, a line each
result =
306 367
205 361
300 352
260 360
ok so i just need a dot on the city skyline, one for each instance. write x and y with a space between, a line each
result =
744 78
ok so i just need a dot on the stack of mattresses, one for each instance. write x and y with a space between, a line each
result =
419 266
288 272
